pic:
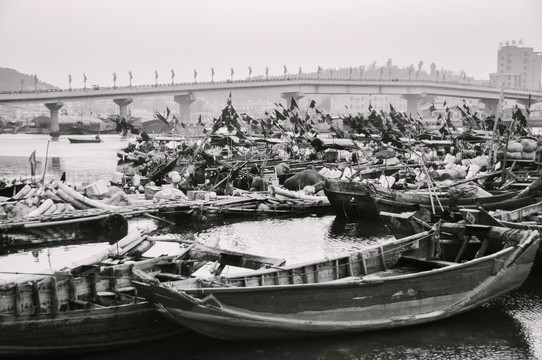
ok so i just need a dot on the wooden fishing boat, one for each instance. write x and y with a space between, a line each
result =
356 200
527 218
85 141
413 280
91 308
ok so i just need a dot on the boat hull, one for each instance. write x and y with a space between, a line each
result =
84 141
368 303
360 201
85 330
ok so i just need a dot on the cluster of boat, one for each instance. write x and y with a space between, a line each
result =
465 212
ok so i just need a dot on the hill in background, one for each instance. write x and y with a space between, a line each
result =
10 80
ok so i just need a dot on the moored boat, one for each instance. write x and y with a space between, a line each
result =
355 200
413 280
85 141
95 307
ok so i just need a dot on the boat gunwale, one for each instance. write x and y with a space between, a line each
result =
519 248
400 241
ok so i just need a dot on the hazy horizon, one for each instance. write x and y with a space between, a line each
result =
54 38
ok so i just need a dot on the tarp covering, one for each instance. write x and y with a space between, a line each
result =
331 143
265 140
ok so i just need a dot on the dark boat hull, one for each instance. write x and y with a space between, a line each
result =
11 190
83 330
360 201
84 141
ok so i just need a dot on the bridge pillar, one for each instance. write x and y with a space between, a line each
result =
491 106
184 101
54 129
412 103
291 94
123 106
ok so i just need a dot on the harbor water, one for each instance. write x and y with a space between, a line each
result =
507 328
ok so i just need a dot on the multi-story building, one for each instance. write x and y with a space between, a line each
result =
518 67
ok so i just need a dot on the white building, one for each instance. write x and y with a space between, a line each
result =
518 67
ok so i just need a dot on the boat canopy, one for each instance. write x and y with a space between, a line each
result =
331 143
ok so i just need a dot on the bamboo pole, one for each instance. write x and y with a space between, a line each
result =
46 158
41 209
79 197
429 183
70 200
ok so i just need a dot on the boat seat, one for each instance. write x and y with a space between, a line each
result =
424 263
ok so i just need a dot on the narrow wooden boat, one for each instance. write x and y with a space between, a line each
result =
413 280
526 218
91 308
84 141
355 200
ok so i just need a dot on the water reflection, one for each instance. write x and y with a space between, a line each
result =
486 333
55 165
366 229
86 162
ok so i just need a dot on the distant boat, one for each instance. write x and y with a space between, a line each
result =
97 139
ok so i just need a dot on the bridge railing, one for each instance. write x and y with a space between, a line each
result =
479 84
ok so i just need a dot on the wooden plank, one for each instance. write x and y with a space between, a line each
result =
71 284
350 267
17 299
382 257
363 265
233 258
36 296
93 290
54 295
425 263
404 215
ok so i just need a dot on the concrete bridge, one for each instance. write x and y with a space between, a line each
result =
184 94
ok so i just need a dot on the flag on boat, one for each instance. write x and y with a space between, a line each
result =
32 161
293 105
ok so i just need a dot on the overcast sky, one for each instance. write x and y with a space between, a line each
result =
54 38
